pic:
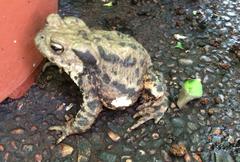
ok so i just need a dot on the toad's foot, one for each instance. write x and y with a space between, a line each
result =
65 130
150 111
86 116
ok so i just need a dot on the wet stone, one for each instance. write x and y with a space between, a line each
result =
226 119
228 24
1 147
166 156
222 156
237 158
192 126
226 18
96 140
115 127
17 131
65 150
237 81
108 157
84 150
205 59
187 158
231 13
217 138
178 122
231 139
128 160
155 136
27 148
158 143
38 157
126 149
195 138
113 136
238 127
186 61
218 23
177 132
141 156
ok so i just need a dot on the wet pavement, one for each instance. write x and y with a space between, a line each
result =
207 129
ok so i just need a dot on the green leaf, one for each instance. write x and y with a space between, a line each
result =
193 87
109 4
179 45
194 13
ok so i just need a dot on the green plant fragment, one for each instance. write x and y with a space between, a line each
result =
193 87
109 4
179 45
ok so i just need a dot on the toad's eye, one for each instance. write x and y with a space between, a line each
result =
56 48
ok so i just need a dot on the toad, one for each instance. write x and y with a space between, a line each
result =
111 69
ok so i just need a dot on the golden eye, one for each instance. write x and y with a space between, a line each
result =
56 48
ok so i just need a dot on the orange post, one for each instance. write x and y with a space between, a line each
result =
20 20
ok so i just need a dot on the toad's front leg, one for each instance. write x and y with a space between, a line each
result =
156 102
86 116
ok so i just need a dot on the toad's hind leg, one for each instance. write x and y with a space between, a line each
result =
86 116
155 100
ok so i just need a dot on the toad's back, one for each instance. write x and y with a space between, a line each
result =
123 64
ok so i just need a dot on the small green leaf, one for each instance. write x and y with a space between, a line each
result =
193 87
109 4
194 13
179 45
